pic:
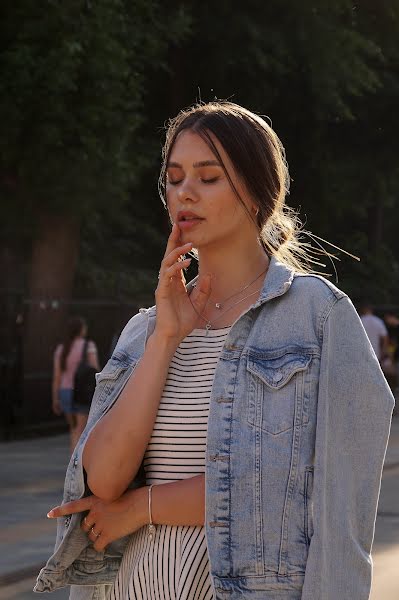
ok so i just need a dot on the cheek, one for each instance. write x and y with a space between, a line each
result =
170 198
224 202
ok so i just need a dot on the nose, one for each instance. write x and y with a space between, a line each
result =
186 192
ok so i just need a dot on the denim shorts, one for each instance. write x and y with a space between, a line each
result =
68 406
66 400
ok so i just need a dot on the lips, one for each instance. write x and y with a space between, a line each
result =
188 220
184 216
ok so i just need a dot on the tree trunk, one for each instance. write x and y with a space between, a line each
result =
54 260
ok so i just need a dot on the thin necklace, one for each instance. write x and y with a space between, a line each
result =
209 324
219 305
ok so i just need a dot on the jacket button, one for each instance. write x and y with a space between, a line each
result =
277 377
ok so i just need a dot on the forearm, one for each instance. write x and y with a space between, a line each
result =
180 502
116 445
176 503
54 390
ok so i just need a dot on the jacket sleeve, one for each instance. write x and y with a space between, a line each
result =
353 421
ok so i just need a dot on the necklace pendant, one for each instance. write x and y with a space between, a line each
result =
208 327
218 305
151 531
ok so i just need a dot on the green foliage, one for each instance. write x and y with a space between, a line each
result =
86 87
73 75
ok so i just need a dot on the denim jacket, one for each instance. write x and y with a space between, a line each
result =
298 427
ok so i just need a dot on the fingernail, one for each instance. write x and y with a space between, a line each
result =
50 514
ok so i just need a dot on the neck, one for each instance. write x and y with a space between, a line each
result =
233 268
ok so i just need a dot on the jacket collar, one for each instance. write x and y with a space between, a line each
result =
278 280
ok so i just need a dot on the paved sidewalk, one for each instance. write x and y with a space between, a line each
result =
32 475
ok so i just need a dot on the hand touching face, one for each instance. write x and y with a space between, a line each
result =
200 197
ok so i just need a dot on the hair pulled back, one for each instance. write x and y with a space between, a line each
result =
258 158
75 326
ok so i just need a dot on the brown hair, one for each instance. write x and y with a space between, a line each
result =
74 329
258 157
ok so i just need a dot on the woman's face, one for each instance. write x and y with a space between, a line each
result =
200 198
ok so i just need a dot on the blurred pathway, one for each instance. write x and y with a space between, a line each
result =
32 476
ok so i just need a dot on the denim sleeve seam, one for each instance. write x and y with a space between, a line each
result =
326 313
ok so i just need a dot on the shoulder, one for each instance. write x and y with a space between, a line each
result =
323 301
91 346
378 323
138 322
315 292
318 285
134 331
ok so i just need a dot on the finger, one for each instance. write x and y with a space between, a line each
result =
175 268
173 256
201 293
173 240
70 508
94 534
100 544
87 523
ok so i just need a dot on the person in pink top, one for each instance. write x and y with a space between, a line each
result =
67 357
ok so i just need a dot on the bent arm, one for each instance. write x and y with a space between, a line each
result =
92 356
176 503
115 447
353 420
180 502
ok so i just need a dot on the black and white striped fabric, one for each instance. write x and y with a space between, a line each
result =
174 565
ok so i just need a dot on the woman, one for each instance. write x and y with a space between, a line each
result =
67 357
251 396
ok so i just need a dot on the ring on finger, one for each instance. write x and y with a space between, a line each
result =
94 533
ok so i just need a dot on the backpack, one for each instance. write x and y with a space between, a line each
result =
84 380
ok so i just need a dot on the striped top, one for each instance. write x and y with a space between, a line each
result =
174 565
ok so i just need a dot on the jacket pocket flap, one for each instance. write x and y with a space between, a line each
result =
111 371
276 372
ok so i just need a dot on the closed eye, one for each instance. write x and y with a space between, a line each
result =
177 181
213 180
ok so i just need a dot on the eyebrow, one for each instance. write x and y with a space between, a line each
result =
196 165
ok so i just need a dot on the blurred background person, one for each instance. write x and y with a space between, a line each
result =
67 357
392 324
375 329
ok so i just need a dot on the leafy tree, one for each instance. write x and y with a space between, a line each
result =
73 76
87 87
327 75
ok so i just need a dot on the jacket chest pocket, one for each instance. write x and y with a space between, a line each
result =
276 389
